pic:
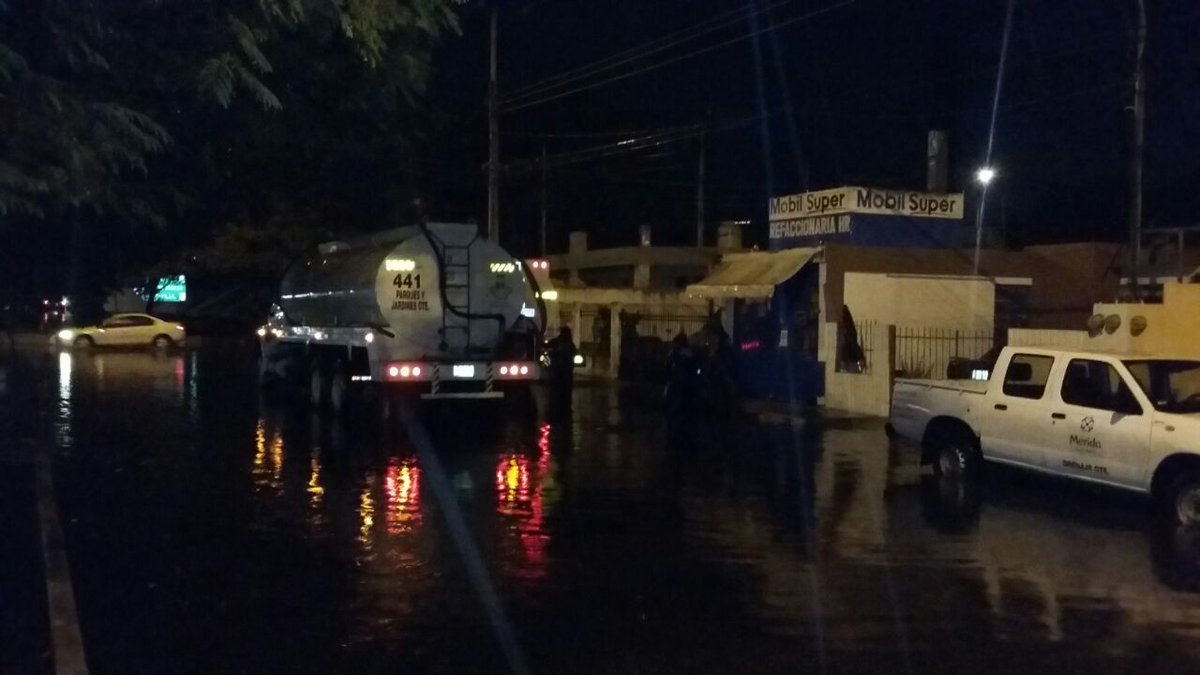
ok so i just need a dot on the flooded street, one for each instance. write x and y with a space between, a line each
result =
211 530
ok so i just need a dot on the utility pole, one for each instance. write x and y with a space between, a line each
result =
1139 137
544 198
493 171
700 195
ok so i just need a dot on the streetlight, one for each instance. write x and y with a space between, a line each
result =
984 175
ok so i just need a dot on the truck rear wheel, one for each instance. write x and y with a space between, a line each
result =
339 388
957 457
318 386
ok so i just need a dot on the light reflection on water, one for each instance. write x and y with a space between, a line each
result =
827 539
267 466
62 419
315 491
892 558
402 483
525 489
366 516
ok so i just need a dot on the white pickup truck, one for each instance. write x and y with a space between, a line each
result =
1131 422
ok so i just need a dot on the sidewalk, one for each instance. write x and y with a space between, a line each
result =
784 412
766 410
25 645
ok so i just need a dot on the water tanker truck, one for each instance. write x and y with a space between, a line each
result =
430 308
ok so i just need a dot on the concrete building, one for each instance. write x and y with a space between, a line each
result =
644 267
632 296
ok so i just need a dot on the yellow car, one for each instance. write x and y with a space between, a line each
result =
125 330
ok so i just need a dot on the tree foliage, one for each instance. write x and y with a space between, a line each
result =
158 122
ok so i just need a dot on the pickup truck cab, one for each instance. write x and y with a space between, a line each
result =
1130 422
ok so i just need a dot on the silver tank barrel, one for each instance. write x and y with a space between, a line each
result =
334 289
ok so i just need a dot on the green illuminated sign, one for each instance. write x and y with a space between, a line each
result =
172 289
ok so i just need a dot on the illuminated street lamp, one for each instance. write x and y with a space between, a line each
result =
984 175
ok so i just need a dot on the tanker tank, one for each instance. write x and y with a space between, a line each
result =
458 303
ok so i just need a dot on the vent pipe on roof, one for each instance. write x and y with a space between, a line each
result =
578 242
937 155
729 235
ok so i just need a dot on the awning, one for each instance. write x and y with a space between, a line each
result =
752 275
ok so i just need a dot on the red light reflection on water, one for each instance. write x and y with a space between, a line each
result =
520 494
512 485
402 483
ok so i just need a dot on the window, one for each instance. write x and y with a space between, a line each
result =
127 321
1096 384
1172 386
1027 375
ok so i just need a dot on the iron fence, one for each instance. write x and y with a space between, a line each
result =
927 352
865 331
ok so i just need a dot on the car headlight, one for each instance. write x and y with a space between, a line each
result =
66 334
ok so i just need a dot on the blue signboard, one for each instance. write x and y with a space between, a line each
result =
863 229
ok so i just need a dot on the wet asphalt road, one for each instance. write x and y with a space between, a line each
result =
211 531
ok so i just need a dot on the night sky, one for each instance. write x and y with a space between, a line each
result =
847 97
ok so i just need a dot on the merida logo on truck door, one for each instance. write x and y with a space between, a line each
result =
1087 425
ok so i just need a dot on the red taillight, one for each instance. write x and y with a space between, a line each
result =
404 371
514 370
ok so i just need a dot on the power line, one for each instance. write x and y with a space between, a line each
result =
623 147
675 59
636 53
594 134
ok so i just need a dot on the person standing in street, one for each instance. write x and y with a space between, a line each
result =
561 351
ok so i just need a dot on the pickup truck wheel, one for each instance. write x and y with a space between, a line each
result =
1184 497
956 458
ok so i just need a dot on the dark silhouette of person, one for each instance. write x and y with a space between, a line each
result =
561 369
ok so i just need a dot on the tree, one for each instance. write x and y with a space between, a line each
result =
137 128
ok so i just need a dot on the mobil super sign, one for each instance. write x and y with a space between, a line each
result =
868 217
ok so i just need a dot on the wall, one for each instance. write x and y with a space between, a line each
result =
1067 278
1041 337
841 259
1172 328
1183 301
921 301
868 393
